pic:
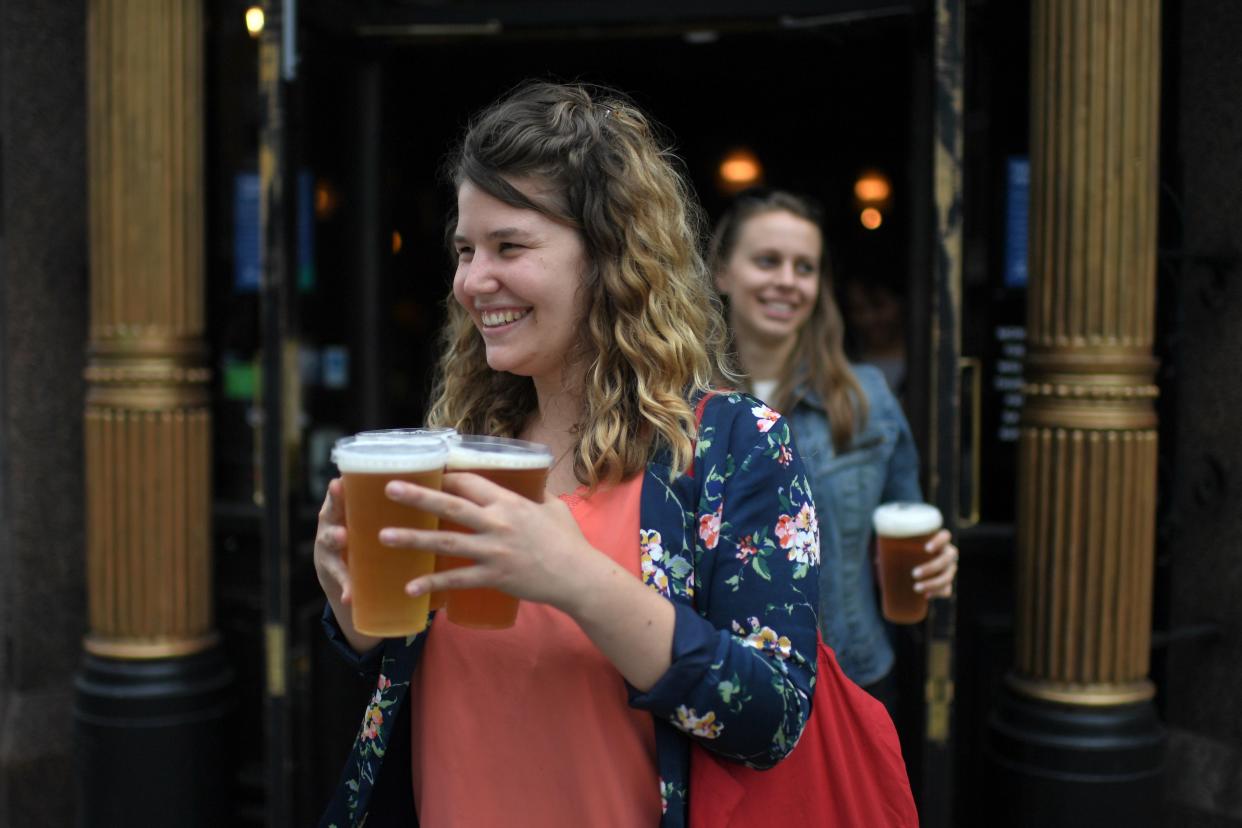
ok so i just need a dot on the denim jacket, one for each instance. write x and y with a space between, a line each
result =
881 465
736 549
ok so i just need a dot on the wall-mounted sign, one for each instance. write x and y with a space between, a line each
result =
1017 211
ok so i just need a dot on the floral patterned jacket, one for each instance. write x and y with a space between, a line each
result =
736 549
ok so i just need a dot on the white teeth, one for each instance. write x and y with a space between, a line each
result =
494 318
780 307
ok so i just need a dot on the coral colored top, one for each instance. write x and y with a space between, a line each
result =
530 726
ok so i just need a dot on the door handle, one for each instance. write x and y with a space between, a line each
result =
972 367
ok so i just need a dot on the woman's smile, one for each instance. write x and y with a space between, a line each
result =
496 320
780 309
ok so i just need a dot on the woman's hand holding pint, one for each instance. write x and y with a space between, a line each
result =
534 551
537 552
935 578
330 544
330 556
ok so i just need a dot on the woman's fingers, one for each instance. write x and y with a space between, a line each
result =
447 505
944 558
333 509
938 541
332 555
455 544
466 577
331 547
940 586
935 578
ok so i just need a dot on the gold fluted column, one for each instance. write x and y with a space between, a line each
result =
1087 454
147 419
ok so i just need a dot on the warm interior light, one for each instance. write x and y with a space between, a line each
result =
254 20
871 218
326 200
396 242
872 188
740 169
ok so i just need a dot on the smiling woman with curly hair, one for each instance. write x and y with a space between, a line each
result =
668 577
653 333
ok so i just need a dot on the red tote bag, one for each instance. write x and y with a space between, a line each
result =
845 772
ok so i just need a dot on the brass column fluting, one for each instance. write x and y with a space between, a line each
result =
148 421
1087 453
1074 738
153 680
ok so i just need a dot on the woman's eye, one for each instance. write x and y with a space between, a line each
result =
509 247
766 262
464 253
805 268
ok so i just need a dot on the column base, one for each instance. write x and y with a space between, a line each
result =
1069 765
151 740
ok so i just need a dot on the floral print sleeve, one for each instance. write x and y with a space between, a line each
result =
744 655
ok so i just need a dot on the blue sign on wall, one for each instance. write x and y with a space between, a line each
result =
1017 211
247 269
247 245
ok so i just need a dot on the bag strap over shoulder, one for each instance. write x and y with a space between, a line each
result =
699 408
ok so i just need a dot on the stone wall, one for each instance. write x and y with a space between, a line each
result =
43 317
1205 534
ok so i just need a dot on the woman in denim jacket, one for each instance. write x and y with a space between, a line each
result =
768 260
583 318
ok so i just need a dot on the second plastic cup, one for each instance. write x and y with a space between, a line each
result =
379 573
901 530
518 466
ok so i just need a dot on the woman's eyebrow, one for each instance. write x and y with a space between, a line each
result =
498 233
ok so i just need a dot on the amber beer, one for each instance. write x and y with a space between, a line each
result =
396 435
518 466
902 530
379 573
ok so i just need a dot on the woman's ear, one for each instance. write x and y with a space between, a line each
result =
720 278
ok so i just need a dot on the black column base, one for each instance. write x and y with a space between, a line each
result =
151 741
1066 765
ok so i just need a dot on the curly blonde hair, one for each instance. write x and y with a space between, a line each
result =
654 334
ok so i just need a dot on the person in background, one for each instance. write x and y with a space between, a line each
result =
875 321
658 607
768 259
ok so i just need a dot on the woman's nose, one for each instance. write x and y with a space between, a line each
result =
479 277
785 274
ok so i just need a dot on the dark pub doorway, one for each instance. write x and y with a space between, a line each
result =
818 93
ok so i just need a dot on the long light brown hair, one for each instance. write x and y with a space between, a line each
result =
818 358
653 333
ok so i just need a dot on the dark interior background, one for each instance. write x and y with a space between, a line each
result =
818 99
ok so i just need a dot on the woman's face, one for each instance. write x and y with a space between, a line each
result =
519 275
772 276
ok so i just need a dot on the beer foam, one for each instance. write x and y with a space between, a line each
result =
906 520
393 435
408 456
388 435
497 453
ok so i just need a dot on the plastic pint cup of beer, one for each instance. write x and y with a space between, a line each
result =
901 531
379 573
397 435
517 465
